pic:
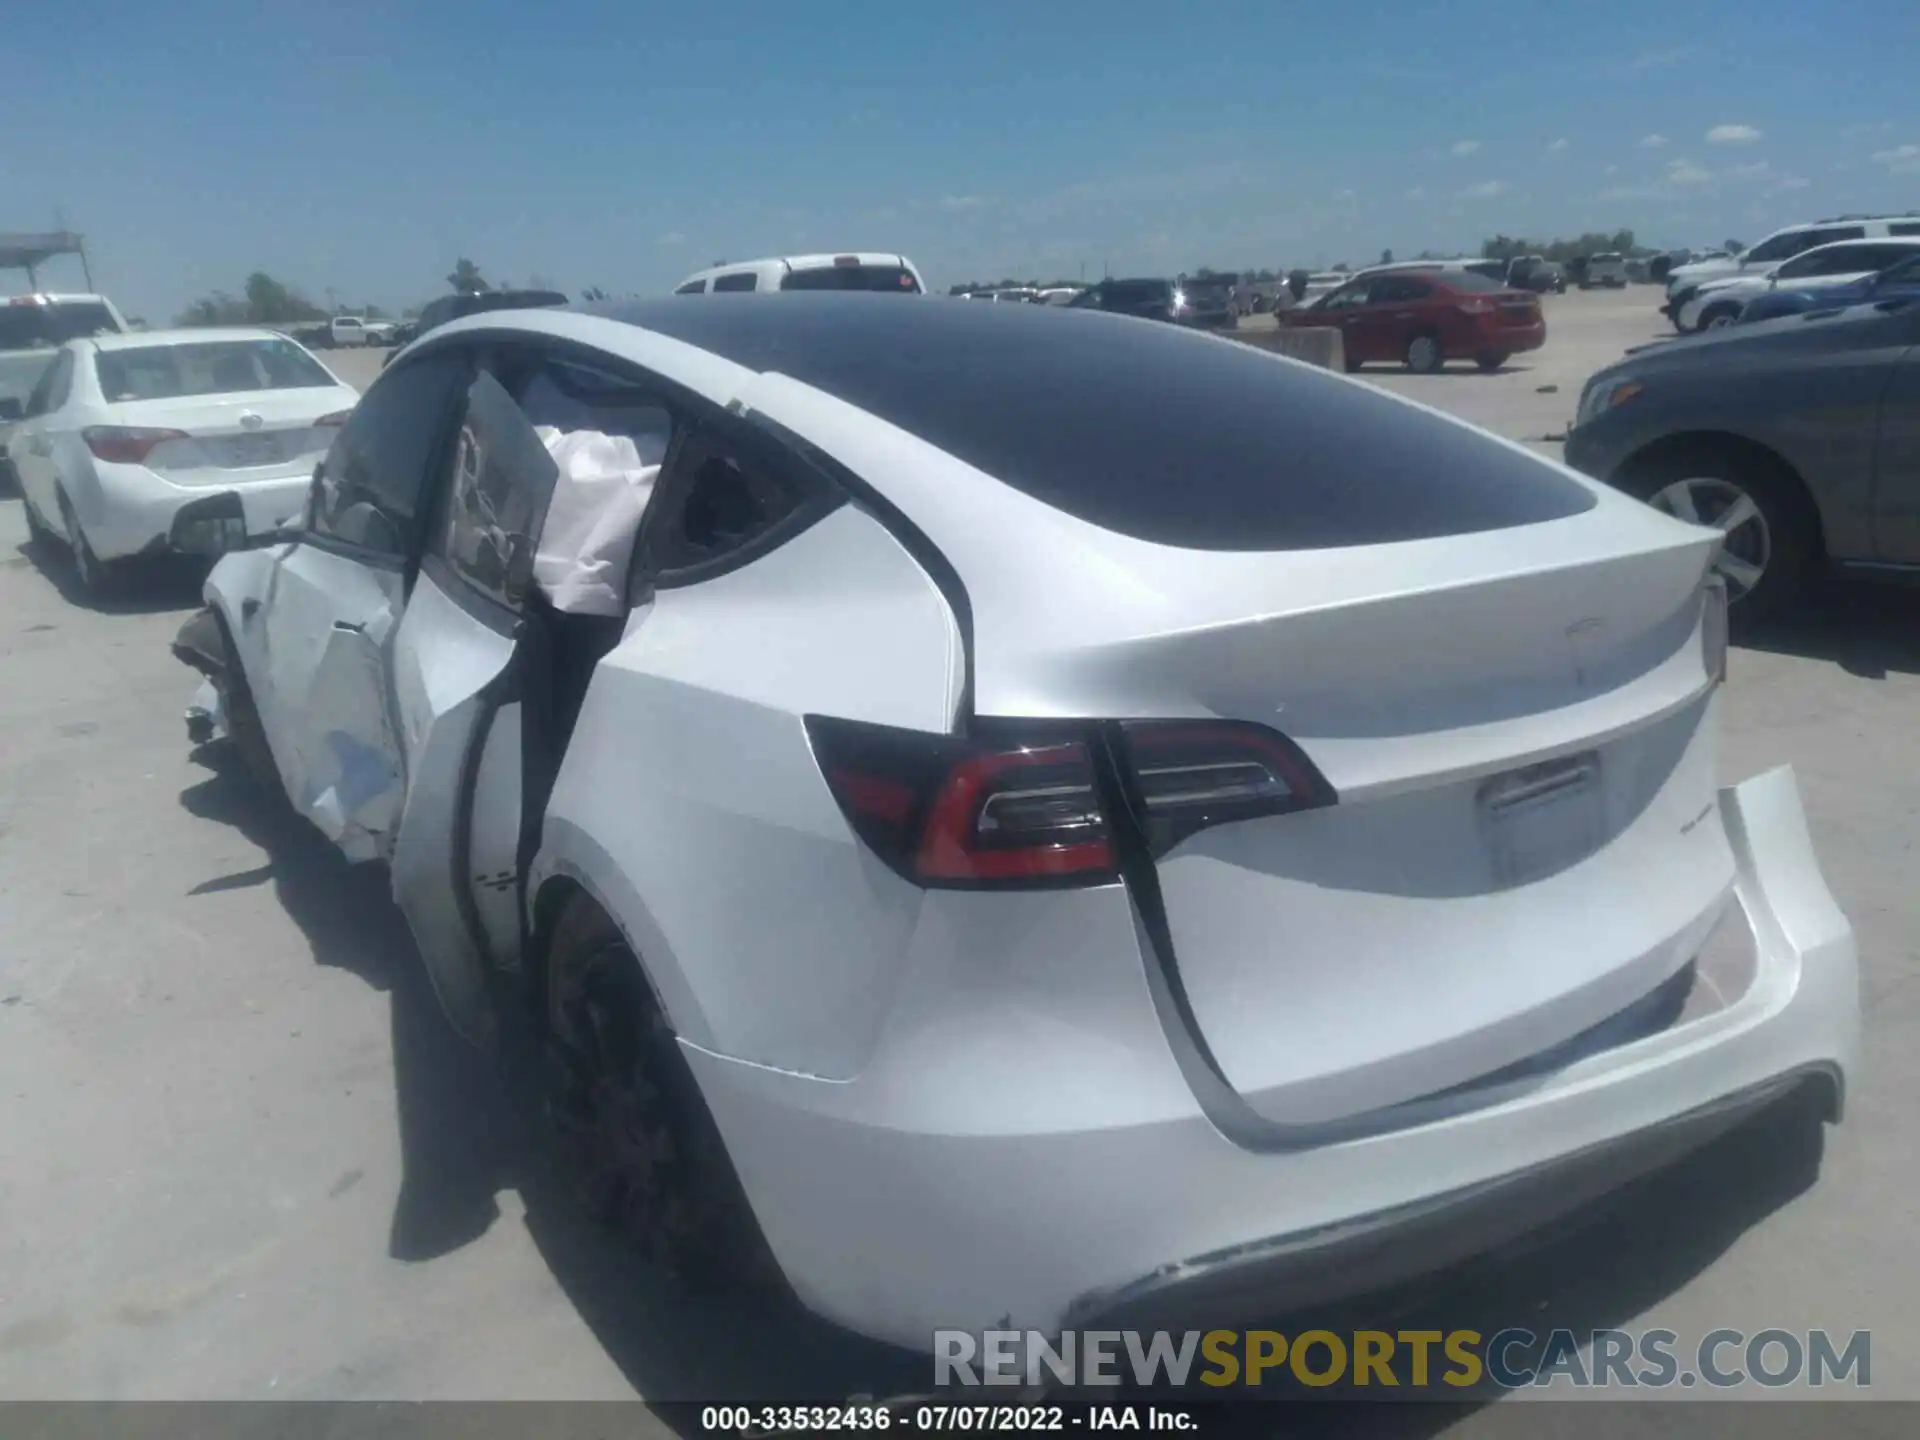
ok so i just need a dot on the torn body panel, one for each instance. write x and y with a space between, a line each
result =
309 629
449 671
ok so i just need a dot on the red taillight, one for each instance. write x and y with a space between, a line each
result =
126 444
338 417
1022 814
1476 305
1008 809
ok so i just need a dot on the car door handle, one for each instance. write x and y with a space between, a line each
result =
351 627
1403 315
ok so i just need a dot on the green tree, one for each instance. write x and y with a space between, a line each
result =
466 277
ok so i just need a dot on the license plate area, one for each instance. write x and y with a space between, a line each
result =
248 451
1542 819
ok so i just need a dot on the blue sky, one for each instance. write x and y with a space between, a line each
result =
358 147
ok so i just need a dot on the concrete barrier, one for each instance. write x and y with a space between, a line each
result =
1315 345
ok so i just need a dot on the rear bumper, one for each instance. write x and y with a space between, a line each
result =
130 510
1072 1174
1512 339
1373 1252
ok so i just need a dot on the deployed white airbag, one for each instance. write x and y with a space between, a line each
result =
586 544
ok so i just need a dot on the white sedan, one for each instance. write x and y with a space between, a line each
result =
998 829
1717 303
172 442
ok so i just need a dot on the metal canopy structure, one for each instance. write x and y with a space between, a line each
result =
29 252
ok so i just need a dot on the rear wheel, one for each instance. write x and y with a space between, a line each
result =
1719 317
89 569
1490 361
38 534
1769 551
646 1153
1424 355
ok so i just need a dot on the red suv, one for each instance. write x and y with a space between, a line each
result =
1424 318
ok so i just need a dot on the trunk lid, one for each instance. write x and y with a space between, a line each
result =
1523 843
236 438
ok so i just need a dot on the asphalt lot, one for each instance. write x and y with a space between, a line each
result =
241 1157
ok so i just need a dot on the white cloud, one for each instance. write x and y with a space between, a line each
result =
1630 192
1901 159
1653 142
1485 190
1558 145
964 202
1732 135
1860 132
673 237
1789 182
1465 147
1685 172
1611 170
1756 170
1418 192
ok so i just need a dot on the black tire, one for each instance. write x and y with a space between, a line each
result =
1353 365
95 576
1792 557
1425 354
1718 317
1490 362
643 1146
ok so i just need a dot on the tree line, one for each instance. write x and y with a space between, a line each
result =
264 300
1594 242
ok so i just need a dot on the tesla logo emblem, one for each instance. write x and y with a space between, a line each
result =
250 421
1584 639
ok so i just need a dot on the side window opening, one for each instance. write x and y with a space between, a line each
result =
692 287
503 479
740 280
721 498
608 436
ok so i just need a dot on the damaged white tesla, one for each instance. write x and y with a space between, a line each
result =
1010 814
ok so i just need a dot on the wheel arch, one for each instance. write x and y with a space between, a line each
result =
571 865
1704 446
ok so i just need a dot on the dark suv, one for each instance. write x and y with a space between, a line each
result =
470 302
1202 301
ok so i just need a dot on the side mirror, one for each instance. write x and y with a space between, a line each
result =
11 409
